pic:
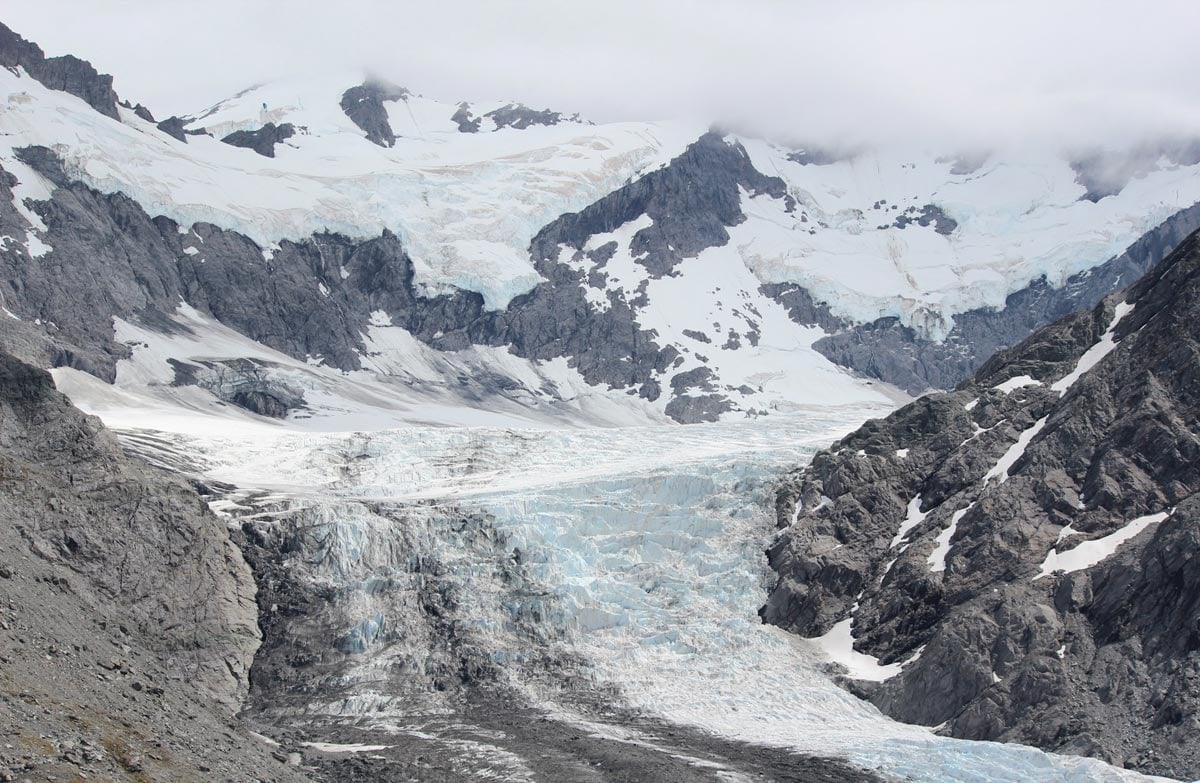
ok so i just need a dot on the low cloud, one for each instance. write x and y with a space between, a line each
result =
961 74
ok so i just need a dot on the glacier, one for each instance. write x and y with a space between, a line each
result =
641 554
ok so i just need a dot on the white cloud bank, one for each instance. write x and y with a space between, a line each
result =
970 73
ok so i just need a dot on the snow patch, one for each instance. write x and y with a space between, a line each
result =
999 471
912 518
1094 354
1012 384
1088 553
838 645
937 558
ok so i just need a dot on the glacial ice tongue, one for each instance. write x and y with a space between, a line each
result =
646 544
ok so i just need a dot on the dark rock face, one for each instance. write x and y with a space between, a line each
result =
692 202
364 106
263 140
174 127
1102 661
928 215
66 73
801 307
312 298
465 120
520 117
889 351
123 607
142 112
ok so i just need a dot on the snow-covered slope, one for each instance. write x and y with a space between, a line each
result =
693 275
466 205
921 236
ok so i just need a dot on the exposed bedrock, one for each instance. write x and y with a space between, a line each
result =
307 299
66 73
127 616
364 106
262 141
691 203
944 530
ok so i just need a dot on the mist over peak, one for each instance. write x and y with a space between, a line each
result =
964 76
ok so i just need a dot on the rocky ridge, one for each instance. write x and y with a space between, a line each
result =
1027 544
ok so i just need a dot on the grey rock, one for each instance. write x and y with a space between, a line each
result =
263 140
143 112
1102 661
66 73
929 215
801 307
465 120
110 259
115 544
174 127
694 409
364 106
692 202
519 117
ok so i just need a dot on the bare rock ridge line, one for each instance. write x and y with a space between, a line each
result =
66 73
263 140
941 531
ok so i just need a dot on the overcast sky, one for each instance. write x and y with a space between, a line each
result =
968 71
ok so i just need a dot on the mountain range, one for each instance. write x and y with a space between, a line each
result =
352 434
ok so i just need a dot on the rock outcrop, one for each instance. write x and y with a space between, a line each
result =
262 141
127 616
1029 543
364 106
66 73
